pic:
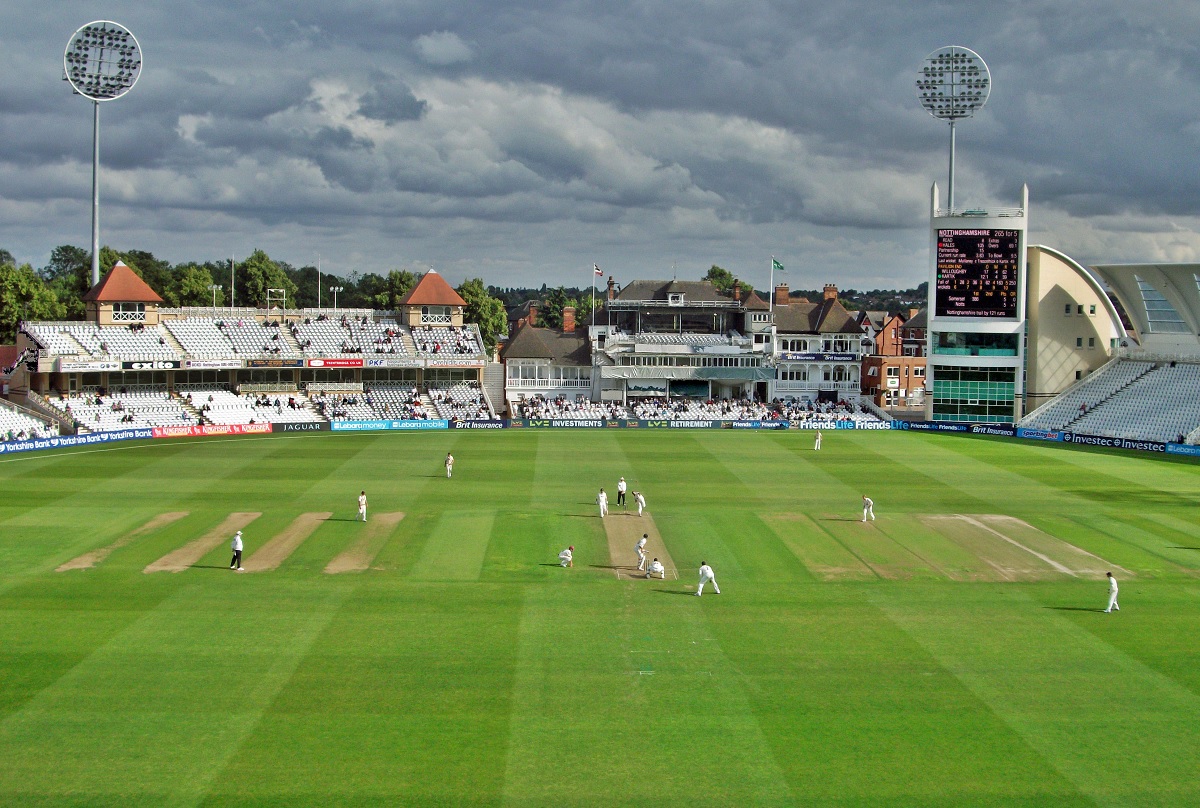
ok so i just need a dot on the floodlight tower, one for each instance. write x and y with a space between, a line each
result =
953 83
102 62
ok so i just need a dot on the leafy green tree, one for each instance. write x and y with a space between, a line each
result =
190 286
7 258
722 280
69 276
484 310
24 296
553 302
394 287
256 275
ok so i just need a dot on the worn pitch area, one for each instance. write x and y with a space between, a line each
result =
623 532
94 557
279 547
359 555
179 560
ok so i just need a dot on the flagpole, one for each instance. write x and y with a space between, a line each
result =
772 289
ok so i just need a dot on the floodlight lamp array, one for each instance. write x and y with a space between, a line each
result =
103 61
953 83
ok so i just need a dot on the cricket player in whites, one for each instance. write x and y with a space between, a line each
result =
817 442
656 568
868 508
1112 594
706 575
640 500
640 547
602 501
362 506
567 557
449 465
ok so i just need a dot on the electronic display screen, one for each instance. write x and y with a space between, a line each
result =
978 273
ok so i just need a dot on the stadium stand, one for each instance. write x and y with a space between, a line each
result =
95 410
200 337
16 425
563 408
401 402
87 339
251 338
1131 399
796 411
326 336
1089 393
464 401
219 406
443 340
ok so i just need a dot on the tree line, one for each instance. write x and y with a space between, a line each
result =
55 291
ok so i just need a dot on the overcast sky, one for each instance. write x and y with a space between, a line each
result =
522 141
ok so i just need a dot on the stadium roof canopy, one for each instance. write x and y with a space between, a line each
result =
1160 299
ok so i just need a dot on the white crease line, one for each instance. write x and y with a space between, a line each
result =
1016 543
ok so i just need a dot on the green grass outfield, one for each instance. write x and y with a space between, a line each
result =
950 653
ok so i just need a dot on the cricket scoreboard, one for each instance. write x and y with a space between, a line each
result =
978 272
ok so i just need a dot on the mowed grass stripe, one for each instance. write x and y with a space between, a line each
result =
155 713
822 555
91 559
525 546
632 699
359 555
921 537
456 548
1145 535
274 552
412 710
1065 669
859 714
870 542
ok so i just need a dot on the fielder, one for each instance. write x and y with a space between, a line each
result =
706 575
640 547
449 465
817 442
640 500
602 501
868 508
1112 594
656 568
567 557
621 488
362 506
236 546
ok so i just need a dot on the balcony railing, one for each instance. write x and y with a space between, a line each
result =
547 384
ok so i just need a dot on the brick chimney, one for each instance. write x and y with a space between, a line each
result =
612 288
830 292
568 319
737 290
533 307
781 295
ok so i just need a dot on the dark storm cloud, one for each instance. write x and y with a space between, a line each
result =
389 99
524 137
